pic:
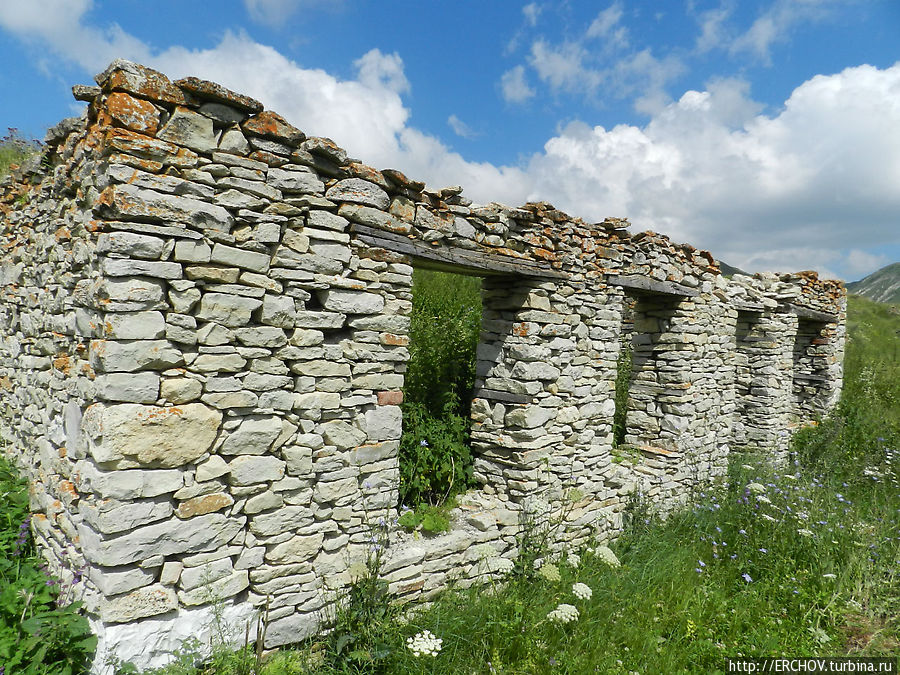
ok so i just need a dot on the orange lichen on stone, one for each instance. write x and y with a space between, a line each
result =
63 363
394 340
132 113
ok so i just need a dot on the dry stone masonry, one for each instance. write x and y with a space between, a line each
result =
204 322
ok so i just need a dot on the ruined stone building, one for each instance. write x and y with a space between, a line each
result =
204 320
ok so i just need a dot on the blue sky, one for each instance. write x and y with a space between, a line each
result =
767 132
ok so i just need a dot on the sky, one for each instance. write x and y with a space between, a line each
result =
767 132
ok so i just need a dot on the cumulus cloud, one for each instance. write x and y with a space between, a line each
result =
760 191
774 24
514 87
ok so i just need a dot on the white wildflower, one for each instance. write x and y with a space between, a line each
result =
763 499
605 554
485 551
563 614
747 467
549 571
574 560
767 517
756 488
424 643
829 576
582 591
803 532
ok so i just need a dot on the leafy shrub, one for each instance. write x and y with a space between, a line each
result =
39 633
435 458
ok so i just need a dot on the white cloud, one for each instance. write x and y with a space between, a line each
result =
860 263
514 87
272 12
713 32
562 67
531 12
58 24
786 191
775 23
606 25
460 128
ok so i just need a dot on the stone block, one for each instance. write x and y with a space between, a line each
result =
295 550
114 356
192 251
384 423
163 437
278 311
203 504
254 436
226 309
216 591
342 435
130 245
110 517
142 387
358 191
115 581
252 469
143 602
179 390
190 129
238 257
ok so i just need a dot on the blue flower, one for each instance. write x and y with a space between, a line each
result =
746 577
423 443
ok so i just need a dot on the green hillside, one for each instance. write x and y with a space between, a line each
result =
881 286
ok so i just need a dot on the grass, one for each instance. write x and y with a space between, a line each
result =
14 149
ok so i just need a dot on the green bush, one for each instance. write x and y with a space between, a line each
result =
39 632
435 458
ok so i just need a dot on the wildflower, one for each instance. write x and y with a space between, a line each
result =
423 443
701 563
742 531
829 576
768 517
563 614
485 551
424 643
501 565
574 560
605 554
582 591
746 577
803 532
763 499
698 570
756 488
746 467
549 571
763 550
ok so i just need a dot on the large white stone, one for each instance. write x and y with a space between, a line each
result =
162 437
342 434
110 356
358 191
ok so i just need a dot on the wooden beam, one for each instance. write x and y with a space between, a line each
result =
647 286
504 396
809 314
453 259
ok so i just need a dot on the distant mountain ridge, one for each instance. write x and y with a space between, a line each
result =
881 286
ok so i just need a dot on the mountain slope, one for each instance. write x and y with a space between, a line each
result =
881 286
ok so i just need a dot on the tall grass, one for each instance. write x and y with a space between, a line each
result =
435 459
14 149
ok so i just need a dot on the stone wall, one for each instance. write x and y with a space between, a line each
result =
204 321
